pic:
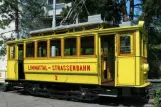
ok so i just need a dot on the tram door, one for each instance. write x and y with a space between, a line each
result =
21 74
12 62
107 58
125 60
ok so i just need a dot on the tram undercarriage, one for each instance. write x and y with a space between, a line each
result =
75 92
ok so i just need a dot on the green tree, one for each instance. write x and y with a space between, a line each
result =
109 10
27 15
8 9
151 14
32 12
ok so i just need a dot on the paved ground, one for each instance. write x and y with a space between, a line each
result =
11 99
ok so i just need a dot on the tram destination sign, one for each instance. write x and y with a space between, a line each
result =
60 67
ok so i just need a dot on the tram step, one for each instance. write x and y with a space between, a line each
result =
109 93
106 95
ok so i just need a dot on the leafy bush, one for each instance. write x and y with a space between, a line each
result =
157 97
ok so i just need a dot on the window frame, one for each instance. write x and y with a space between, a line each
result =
94 54
76 55
37 48
132 45
9 52
49 50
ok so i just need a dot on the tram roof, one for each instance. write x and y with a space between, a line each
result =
92 20
122 27
64 27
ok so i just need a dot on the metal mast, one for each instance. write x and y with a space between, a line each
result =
17 19
54 14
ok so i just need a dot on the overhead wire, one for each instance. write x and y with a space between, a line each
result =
75 5
70 12
85 6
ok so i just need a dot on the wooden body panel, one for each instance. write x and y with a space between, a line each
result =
66 70
12 70
126 71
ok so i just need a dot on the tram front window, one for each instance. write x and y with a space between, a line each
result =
12 52
125 46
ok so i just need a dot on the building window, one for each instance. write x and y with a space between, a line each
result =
70 46
87 45
125 45
30 47
42 49
55 47
12 52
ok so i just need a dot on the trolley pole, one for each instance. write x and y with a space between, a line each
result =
54 14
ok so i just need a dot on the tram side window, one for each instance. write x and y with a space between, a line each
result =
30 47
87 45
69 46
55 47
42 49
125 45
12 52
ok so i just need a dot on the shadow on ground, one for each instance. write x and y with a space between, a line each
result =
123 101
108 101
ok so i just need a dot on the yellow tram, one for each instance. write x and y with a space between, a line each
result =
93 56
